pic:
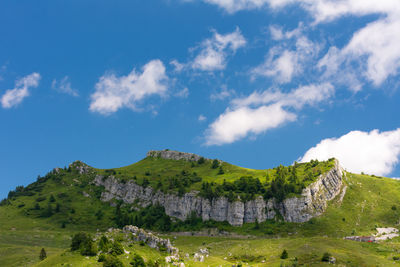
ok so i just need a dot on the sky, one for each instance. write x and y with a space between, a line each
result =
256 83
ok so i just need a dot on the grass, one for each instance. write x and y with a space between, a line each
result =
370 202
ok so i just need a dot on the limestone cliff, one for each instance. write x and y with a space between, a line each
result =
311 203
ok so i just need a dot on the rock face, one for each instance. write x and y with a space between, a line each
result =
175 155
151 240
311 203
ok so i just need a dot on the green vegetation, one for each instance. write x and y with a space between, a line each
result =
51 213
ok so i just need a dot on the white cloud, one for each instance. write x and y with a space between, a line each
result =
224 93
202 118
283 64
236 124
372 53
15 96
260 112
177 65
370 152
64 86
113 93
214 51
184 93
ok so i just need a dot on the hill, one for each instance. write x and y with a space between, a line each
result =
66 201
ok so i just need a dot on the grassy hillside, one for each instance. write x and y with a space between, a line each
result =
48 212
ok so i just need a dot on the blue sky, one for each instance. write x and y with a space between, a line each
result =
253 82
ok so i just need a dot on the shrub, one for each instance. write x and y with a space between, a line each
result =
78 239
396 258
394 207
42 254
215 164
284 254
104 244
220 171
326 257
117 248
201 160
102 258
52 199
88 247
112 261
137 261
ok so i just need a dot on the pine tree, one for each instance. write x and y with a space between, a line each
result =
42 254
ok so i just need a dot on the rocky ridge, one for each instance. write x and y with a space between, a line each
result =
312 202
171 154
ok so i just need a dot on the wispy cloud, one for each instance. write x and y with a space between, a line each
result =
13 97
64 86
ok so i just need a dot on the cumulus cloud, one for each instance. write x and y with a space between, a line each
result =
214 51
263 111
113 92
13 97
372 54
64 86
282 63
372 152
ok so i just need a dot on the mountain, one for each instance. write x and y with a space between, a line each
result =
306 209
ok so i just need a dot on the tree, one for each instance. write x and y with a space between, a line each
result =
104 244
88 247
137 261
145 182
215 164
117 248
220 171
42 254
77 240
284 254
52 199
326 257
201 160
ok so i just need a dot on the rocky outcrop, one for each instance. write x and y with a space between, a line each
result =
314 199
171 154
311 203
153 241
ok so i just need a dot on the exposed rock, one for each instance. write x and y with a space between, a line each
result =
171 154
151 240
81 167
312 202
314 198
386 233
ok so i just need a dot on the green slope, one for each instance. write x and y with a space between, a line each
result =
74 203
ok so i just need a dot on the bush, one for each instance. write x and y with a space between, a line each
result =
78 239
201 160
117 248
215 164
104 244
284 254
326 257
112 261
137 261
42 254
102 258
88 248
394 207
396 258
